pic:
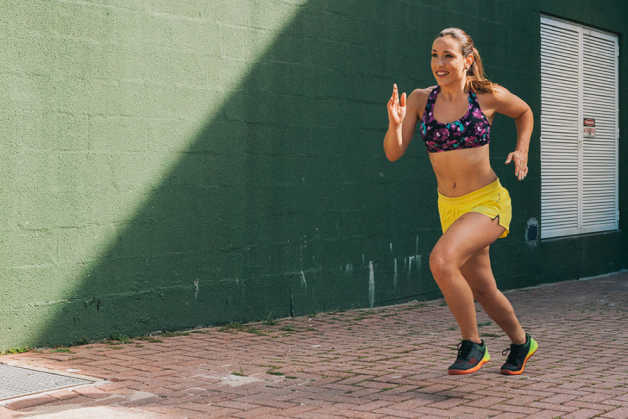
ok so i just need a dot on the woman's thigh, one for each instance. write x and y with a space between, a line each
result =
468 235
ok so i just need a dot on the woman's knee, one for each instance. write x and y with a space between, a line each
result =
442 262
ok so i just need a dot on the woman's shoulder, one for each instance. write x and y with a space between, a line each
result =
419 96
422 92
496 93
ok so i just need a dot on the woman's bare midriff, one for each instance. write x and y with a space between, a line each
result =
459 172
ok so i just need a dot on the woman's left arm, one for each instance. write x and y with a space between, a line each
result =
514 107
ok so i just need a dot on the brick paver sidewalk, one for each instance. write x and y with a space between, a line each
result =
383 362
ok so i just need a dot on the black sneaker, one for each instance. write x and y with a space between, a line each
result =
471 357
519 355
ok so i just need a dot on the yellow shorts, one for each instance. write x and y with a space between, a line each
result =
492 200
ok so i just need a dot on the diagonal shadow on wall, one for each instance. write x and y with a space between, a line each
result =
283 203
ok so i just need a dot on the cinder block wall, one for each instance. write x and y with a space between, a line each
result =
173 164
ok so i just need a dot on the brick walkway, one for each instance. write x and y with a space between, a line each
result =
377 363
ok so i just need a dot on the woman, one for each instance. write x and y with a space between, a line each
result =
455 121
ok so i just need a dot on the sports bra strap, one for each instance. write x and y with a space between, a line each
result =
474 98
431 99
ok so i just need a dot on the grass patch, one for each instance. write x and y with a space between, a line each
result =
149 339
173 334
239 327
17 350
270 321
482 324
118 339
272 372
411 307
232 327
81 341
61 349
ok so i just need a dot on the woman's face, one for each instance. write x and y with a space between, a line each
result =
448 64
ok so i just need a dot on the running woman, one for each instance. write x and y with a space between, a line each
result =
455 119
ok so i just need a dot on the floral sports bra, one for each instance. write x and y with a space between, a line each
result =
472 130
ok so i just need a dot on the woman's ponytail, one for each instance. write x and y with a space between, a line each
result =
476 80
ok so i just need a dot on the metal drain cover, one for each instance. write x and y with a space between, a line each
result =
18 381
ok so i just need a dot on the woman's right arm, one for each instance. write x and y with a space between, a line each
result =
402 118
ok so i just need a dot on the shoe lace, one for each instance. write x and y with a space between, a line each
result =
464 348
515 354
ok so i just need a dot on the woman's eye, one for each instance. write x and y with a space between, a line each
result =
434 55
449 56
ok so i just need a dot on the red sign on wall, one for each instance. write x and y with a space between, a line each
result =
589 127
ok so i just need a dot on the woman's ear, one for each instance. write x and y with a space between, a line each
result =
468 61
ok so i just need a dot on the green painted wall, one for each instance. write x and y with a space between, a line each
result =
173 164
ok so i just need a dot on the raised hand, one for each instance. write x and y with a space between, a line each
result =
396 108
521 163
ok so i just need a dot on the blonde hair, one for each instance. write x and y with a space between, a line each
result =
476 79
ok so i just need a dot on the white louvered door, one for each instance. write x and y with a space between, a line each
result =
560 114
579 189
599 154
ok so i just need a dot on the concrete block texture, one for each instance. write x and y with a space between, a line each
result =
174 164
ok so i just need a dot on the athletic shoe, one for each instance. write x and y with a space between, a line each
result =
471 357
519 355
